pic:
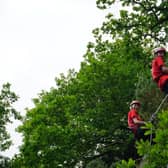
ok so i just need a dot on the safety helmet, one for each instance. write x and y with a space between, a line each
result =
156 50
135 102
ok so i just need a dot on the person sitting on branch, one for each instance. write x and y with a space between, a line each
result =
135 121
159 69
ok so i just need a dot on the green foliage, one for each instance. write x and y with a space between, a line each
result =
86 116
124 164
145 22
149 94
156 155
4 162
7 98
96 163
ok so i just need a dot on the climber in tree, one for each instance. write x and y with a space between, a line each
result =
159 69
135 121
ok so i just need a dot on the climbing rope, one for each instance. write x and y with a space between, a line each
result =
157 110
154 115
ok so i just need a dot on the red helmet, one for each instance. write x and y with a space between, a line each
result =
135 102
156 50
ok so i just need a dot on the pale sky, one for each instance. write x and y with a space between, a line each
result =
39 39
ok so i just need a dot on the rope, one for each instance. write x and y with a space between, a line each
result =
157 110
154 115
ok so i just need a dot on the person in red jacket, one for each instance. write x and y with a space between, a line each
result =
159 69
135 121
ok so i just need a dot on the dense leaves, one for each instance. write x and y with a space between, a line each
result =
85 117
144 20
7 112
7 98
155 155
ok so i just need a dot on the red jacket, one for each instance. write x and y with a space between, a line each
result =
157 73
131 115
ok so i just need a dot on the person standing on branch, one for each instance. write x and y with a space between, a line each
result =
135 121
159 69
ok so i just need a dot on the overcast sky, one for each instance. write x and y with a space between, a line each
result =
39 39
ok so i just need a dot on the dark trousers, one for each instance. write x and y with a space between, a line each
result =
140 134
165 87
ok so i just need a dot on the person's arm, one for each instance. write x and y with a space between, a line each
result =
164 69
136 121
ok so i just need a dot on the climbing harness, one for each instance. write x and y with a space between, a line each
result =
154 115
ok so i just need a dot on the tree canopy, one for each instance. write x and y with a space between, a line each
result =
7 112
144 20
7 98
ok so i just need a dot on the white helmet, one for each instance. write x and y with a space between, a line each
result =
135 102
156 50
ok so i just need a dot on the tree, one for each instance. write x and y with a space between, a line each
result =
84 118
4 162
156 155
7 98
146 21
96 163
